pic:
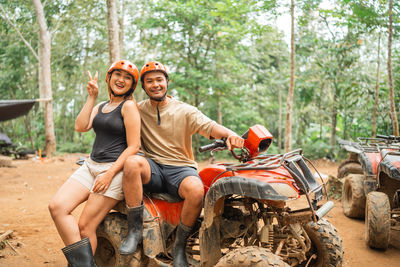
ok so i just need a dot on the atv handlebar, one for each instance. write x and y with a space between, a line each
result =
216 144
243 157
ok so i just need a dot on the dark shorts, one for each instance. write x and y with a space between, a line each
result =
166 178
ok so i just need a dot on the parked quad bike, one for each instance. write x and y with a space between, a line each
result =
8 148
245 220
372 189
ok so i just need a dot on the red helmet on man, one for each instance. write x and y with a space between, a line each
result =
153 66
126 66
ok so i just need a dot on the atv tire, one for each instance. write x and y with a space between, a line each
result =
349 167
110 234
377 220
353 196
249 257
325 243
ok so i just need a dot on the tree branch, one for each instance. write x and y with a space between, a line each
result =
5 17
327 25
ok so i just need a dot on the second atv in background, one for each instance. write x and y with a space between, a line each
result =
371 186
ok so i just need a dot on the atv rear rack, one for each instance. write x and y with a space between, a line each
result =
369 145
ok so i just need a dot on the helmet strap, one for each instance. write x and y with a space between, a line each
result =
158 115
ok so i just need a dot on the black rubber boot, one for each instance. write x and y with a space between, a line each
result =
135 231
182 234
79 254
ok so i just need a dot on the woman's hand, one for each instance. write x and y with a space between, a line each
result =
103 182
92 87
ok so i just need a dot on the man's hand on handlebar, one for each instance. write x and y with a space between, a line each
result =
234 141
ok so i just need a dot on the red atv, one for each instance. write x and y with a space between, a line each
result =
246 218
371 186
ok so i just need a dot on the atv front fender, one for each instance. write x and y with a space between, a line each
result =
235 185
210 251
388 166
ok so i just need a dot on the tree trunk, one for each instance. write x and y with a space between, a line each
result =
113 39
42 90
45 54
395 122
121 19
278 67
376 87
289 103
219 110
321 89
280 120
334 116
217 93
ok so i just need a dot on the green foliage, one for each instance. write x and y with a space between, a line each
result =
84 146
318 149
226 57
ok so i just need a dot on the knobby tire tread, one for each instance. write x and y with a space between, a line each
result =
377 224
327 242
249 257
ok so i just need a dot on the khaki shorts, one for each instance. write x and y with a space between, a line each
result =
88 173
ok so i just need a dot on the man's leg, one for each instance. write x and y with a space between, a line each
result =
137 172
192 191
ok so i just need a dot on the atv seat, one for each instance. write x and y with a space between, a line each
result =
164 196
387 152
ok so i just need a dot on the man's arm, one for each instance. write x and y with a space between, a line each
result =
232 139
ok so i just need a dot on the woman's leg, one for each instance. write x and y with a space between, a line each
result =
96 208
68 197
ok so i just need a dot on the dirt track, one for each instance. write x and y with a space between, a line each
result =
27 188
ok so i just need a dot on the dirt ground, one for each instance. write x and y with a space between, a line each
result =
27 187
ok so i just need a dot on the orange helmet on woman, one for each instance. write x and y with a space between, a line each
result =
126 66
153 66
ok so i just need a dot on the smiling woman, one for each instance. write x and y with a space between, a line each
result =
99 181
122 78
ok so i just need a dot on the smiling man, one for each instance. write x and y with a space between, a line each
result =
168 165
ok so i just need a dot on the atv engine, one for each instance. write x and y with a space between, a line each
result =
234 224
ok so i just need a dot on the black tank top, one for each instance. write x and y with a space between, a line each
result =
110 139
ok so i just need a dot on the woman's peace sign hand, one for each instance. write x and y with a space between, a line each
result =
92 87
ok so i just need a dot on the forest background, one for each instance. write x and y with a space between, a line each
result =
336 76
